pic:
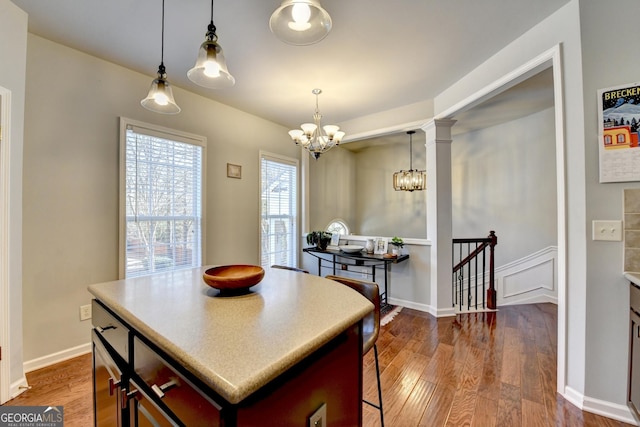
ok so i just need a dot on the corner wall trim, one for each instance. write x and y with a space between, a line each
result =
61 356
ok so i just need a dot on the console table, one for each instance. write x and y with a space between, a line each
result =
358 259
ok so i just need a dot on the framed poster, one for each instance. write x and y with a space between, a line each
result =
618 123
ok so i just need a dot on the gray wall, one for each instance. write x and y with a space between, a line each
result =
504 179
71 182
607 302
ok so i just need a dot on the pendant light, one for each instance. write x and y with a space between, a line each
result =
211 70
314 137
300 22
160 97
410 180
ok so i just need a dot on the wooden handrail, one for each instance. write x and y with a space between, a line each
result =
491 241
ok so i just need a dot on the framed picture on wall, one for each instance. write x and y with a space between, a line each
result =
380 247
234 171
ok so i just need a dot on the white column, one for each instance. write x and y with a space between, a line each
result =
439 222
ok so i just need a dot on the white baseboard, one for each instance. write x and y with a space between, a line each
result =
610 410
443 312
61 356
18 387
574 397
604 408
536 299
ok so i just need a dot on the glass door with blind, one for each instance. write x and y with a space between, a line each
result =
278 210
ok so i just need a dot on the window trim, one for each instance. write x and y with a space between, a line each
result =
293 162
163 132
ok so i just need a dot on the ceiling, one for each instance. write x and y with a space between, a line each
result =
379 55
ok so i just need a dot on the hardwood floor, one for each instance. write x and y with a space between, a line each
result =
491 369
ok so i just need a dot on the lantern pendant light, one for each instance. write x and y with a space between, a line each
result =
160 97
411 180
211 70
300 22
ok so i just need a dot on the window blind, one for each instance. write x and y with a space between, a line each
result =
278 211
163 203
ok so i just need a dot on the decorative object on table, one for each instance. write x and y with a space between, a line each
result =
380 246
335 239
370 246
410 180
351 249
397 244
211 70
300 22
160 97
234 171
315 138
319 238
233 279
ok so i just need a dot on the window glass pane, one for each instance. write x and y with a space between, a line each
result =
278 209
163 205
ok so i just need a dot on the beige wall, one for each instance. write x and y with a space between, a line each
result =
358 187
73 104
13 27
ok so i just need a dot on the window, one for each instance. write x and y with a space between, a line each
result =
161 173
338 226
278 210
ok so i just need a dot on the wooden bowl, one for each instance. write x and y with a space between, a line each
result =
233 278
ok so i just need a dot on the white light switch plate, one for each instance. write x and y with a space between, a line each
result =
607 230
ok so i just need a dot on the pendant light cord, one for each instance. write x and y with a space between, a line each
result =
410 151
162 41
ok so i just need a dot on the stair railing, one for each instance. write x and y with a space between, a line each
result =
470 273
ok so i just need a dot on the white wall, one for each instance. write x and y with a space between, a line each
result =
13 26
73 103
504 179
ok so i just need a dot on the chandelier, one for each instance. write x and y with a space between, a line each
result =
313 137
410 180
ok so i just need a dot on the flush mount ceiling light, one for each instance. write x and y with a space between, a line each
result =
410 180
160 97
315 138
211 70
300 22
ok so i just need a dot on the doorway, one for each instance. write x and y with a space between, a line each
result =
547 60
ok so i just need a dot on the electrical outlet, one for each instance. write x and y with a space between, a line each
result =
85 312
319 418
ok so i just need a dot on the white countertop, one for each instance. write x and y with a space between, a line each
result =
633 278
235 345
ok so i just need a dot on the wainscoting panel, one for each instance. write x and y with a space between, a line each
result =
531 279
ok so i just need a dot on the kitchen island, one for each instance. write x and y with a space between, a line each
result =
170 350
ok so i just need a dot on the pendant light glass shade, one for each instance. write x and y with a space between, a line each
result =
160 96
410 180
300 22
211 70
